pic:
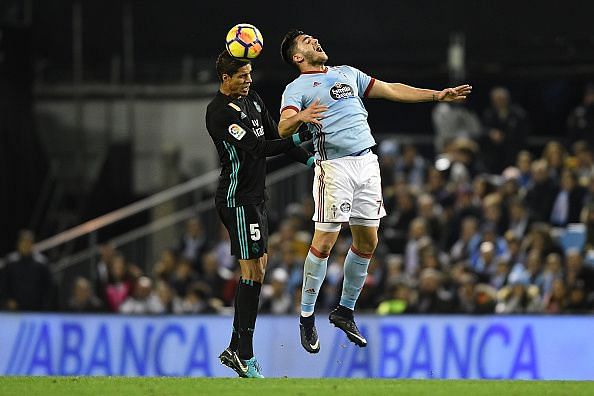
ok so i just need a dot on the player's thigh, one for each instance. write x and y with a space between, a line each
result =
368 202
248 230
333 189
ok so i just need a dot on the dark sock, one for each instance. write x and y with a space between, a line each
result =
234 344
249 294
345 312
308 321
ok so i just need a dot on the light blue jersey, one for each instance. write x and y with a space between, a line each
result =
344 129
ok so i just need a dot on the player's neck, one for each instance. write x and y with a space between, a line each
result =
228 93
308 69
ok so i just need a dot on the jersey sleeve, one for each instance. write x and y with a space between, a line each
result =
364 82
227 125
291 99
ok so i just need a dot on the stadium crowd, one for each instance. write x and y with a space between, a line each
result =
486 227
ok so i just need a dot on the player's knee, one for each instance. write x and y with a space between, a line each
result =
367 245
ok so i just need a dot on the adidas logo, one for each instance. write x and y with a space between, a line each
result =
310 291
315 84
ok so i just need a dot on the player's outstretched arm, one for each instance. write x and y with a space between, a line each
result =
398 92
291 119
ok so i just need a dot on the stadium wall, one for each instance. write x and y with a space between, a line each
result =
490 347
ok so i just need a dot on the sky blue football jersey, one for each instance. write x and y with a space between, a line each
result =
344 129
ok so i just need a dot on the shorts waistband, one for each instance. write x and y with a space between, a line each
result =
360 153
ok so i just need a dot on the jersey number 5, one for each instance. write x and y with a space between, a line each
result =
255 231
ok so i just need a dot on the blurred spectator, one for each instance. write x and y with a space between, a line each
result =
165 267
397 224
576 273
107 251
433 298
83 299
120 283
182 277
519 220
568 202
388 150
518 298
275 297
577 300
506 128
469 239
193 243
197 300
218 278
580 124
170 302
26 279
524 165
556 300
552 270
222 249
584 162
399 300
541 193
144 300
430 211
417 238
556 157
410 167
451 120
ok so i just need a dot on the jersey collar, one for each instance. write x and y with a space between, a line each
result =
317 71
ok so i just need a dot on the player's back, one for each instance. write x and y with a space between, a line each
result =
344 128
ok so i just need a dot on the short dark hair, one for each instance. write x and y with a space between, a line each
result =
226 64
288 45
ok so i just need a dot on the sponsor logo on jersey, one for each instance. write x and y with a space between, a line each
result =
236 131
258 130
341 91
316 83
258 107
345 207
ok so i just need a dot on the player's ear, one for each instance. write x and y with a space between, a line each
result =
226 77
297 58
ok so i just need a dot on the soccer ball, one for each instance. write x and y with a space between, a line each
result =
244 41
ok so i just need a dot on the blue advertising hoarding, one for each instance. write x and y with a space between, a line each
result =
490 347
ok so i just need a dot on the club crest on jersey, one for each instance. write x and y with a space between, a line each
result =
345 207
236 131
341 91
258 107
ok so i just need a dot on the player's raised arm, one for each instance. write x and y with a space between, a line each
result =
291 119
398 92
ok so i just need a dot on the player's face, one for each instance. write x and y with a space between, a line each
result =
238 85
311 50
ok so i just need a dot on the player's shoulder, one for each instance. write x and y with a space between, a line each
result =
345 69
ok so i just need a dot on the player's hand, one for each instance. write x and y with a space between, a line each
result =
456 94
314 113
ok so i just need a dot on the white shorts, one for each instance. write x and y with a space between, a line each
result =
348 187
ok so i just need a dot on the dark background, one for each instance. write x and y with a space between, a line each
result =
542 50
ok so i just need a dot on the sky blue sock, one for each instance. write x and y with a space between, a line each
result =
314 272
355 272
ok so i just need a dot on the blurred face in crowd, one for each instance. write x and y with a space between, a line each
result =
533 262
500 98
417 229
553 263
25 243
168 260
143 288
409 153
210 264
194 228
558 289
82 290
107 251
567 180
487 251
164 292
184 269
524 161
540 171
429 282
574 261
469 228
554 153
118 267
516 211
